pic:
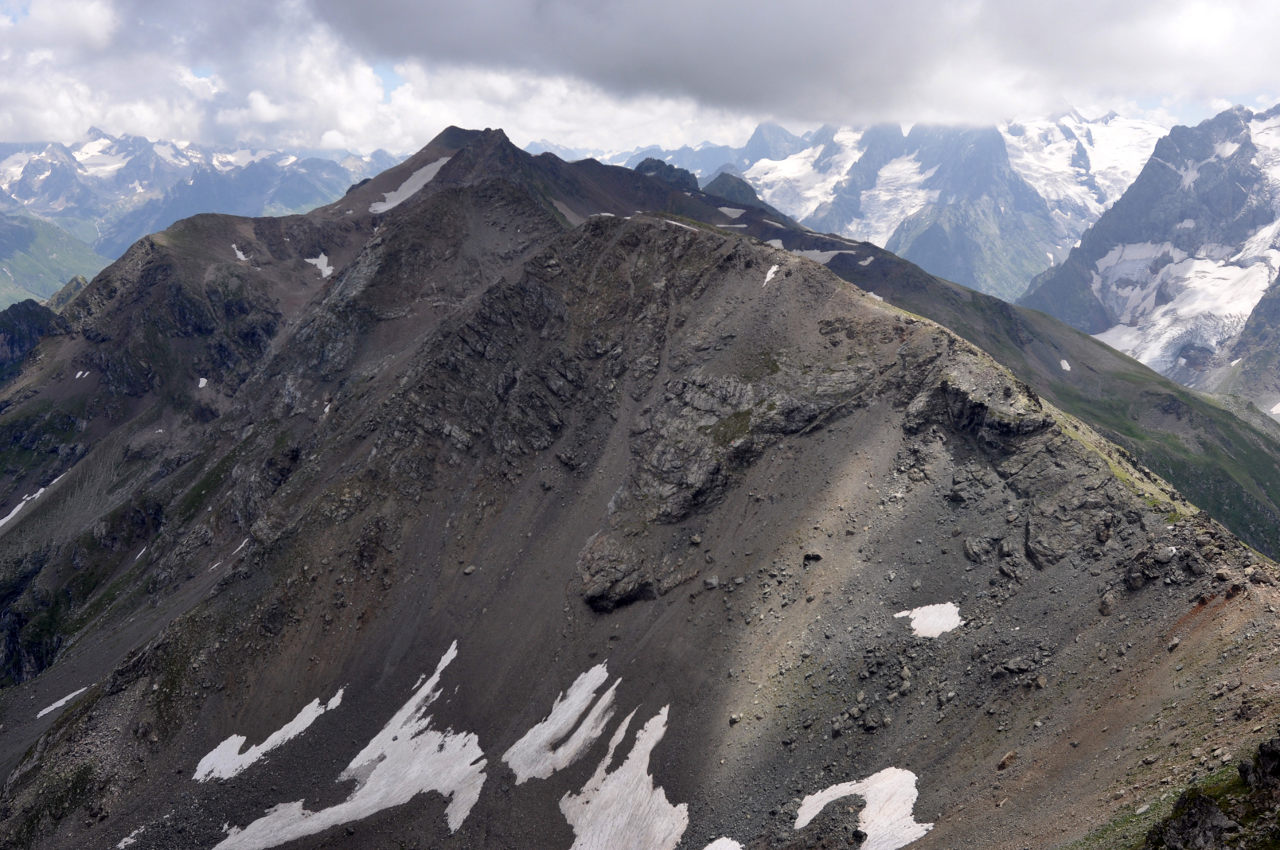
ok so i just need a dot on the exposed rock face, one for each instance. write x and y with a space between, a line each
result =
653 506
1197 824
1232 815
21 327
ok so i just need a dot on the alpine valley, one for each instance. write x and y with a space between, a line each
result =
506 502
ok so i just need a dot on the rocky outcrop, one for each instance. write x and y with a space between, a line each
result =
22 326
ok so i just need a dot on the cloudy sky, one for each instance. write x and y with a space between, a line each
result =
606 75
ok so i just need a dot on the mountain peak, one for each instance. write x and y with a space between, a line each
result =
668 173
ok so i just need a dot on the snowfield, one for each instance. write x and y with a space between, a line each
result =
226 760
623 808
933 620
887 818
565 734
322 263
60 703
406 758
410 187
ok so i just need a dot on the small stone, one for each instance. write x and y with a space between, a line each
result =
1173 644
471 568
735 719
1008 759
711 583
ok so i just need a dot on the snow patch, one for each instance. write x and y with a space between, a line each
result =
406 758
60 703
322 263
769 274
732 212
1066 367
549 746
408 188
678 224
130 839
30 497
724 844
623 808
1275 411
81 374
822 257
933 620
202 383
1224 150
226 760
886 818
866 262
239 254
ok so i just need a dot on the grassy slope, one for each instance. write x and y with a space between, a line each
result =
38 258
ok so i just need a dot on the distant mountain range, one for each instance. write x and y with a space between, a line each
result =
1180 273
988 207
67 210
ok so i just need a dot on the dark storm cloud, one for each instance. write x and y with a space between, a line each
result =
824 59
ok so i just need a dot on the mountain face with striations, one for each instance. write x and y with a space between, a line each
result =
477 510
1181 272
72 208
986 207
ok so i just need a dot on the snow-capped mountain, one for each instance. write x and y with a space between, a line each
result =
987 207
108 191
1079 166
1173 273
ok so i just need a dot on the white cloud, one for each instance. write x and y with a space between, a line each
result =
605 74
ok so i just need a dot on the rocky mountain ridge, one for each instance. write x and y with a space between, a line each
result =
478 510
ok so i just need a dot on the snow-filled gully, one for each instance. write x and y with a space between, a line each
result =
618 806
